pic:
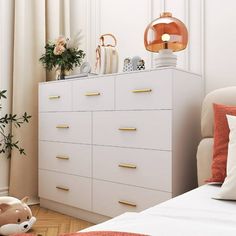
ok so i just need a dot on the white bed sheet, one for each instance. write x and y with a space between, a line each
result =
192 214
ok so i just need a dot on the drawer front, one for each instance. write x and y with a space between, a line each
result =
93 94
144 168
140 129
146 90
74 127
67 189
65 157
111 199
55 97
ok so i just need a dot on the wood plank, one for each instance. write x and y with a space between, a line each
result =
51 223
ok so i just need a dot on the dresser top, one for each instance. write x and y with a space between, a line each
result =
117 74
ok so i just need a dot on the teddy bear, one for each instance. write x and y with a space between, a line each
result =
15 216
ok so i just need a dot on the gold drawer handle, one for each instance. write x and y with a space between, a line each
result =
63 188
128 129
126 165
93 94
62 126
54 97
127 203
142 91
62 157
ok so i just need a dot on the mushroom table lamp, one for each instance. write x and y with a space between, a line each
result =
166 35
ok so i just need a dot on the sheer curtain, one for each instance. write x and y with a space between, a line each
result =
6 56
28 24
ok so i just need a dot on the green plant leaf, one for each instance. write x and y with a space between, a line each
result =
7 142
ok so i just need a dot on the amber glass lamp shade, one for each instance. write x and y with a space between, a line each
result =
166 32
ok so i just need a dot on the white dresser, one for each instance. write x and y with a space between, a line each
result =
116 143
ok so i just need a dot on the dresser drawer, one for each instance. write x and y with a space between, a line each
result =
74 127
145 90
93 94
144 168
55 97
65 157
140 129
113 199
66 189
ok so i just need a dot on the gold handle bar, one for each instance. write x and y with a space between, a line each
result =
127 203
128 129
62 126
92 94
142 90
62 157
54 97
126 165
63 188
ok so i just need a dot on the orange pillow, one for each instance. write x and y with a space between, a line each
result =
221 140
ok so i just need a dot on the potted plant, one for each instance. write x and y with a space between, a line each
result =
63 55
6 141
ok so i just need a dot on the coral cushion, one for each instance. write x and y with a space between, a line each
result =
24 234
103 233
221 140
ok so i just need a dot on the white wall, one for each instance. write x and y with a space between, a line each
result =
220 43
212 32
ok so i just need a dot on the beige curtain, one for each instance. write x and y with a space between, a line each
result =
6 57
35 21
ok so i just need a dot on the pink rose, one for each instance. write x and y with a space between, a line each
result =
59 49
61 41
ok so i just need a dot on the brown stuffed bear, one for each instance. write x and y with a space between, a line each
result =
15 216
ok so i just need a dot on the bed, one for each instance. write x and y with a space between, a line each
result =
195 213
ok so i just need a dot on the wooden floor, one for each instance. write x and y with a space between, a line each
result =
50 223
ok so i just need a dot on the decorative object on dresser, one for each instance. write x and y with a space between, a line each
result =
107 56
134 64
141 65
166 35
85 68
127 67
131 135
63 54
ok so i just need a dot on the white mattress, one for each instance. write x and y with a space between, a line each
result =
192 214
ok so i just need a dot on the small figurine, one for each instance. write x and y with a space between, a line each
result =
133 64
141 65
15 216
127 65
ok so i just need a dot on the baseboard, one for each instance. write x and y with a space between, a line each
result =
4 191
72 211
33 201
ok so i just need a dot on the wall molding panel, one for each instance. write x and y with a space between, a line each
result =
200 17
98 21
187 23
202 32
150 16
